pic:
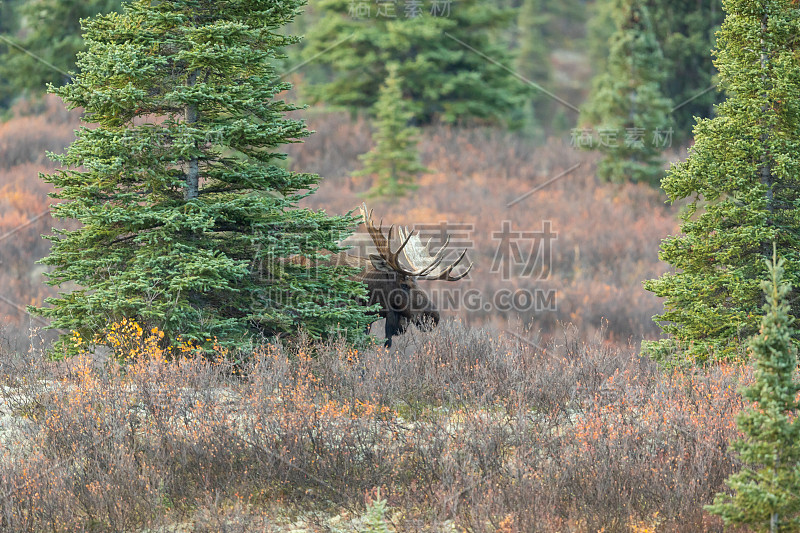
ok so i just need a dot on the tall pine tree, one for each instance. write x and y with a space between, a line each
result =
685 31
626 107
394 160
187 215
533 63
767 490
441 49
743 179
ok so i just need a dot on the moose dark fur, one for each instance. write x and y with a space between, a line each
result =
392 282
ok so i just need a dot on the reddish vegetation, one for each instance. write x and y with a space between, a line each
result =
489 434
24 207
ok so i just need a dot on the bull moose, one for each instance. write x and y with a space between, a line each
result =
392 282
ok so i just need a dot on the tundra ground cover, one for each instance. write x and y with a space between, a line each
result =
457 428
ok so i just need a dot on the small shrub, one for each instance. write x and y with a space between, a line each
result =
470 429
375 518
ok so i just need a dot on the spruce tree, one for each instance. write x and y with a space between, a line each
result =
767 491
187 215
599 29
8 19
685 31
743 181
50 38
533 63
626 108
394 160
8 29
442 57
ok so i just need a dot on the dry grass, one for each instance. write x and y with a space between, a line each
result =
484 432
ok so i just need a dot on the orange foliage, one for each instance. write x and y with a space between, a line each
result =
484 433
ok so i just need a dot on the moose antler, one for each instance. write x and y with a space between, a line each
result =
417 255
383 244
420 258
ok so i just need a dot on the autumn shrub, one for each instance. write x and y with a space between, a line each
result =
112 447
463 427
572 435
28 136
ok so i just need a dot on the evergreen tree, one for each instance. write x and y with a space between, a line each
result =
187 215
442 57
767 490
685 31
533 62
626 108
394 161
743 178
8 28
375 518
599 29
8 22
50 40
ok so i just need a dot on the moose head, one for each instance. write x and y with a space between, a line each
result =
392 281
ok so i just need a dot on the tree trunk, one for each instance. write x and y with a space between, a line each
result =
766 165
193 175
